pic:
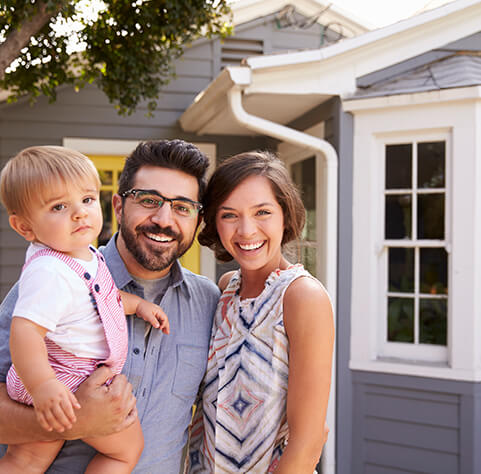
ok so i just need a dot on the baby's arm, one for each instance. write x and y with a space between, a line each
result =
54 403
149 312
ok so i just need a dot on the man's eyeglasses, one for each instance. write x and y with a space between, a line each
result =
151 199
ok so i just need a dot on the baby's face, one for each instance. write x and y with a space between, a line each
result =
68 219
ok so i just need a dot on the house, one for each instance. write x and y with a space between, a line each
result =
380 129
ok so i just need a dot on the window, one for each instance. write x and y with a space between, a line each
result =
304 176
417 156
415 255
309 175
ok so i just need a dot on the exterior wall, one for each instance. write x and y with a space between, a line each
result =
409 414
88 114
414 424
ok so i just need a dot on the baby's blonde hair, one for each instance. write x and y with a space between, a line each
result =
26 177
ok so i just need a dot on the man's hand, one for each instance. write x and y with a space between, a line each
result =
104 409
54 405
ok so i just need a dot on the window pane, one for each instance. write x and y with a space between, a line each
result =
431 165
431 216
401 269
400 326
308 259
434 271
106 204
399 166
433 321
398 216
304 176
105 176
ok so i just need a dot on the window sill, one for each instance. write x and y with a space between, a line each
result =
439 370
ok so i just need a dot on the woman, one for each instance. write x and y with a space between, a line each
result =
264 397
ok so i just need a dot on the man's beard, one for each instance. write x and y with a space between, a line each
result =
149 259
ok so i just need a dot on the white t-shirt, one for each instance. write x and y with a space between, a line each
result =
53 296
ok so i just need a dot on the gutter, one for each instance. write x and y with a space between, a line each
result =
329 227
303 140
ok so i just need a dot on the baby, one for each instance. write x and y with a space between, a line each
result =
70 316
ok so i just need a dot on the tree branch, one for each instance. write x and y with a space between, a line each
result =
20 37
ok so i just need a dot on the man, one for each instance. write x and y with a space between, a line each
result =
158 210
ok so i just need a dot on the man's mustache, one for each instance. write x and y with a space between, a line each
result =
156 229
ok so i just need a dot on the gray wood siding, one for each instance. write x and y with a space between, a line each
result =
414 425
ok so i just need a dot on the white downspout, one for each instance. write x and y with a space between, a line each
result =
303 140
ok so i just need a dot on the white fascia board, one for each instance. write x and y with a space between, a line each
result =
208 103
329 78
417 98
398 42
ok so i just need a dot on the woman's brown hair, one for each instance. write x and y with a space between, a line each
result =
233 171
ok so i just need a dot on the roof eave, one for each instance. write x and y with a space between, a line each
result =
206 104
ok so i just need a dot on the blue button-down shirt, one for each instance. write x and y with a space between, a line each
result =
164 370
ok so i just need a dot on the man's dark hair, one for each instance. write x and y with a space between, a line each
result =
173 154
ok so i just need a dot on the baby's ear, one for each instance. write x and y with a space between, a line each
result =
22 227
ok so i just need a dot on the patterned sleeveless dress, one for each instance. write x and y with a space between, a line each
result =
241 424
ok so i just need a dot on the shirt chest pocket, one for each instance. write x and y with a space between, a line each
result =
189 370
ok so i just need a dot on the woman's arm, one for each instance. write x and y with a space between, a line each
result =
308 320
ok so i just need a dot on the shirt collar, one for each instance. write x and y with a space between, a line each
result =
122 277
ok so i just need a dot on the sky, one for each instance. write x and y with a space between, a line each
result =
384 12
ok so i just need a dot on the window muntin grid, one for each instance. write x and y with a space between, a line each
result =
415 238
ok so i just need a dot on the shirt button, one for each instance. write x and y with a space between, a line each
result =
87 275
97 288
136 350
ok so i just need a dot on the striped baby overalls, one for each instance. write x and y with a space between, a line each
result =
70 369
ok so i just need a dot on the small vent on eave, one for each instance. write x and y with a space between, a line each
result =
234 50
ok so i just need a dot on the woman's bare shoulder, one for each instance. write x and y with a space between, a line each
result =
224 280
306 298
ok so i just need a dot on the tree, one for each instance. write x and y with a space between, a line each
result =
127 48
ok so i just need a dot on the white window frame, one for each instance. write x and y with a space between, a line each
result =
455 113
411 351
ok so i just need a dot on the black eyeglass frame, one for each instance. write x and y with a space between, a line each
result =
132 192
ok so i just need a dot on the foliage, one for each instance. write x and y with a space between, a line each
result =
128 47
